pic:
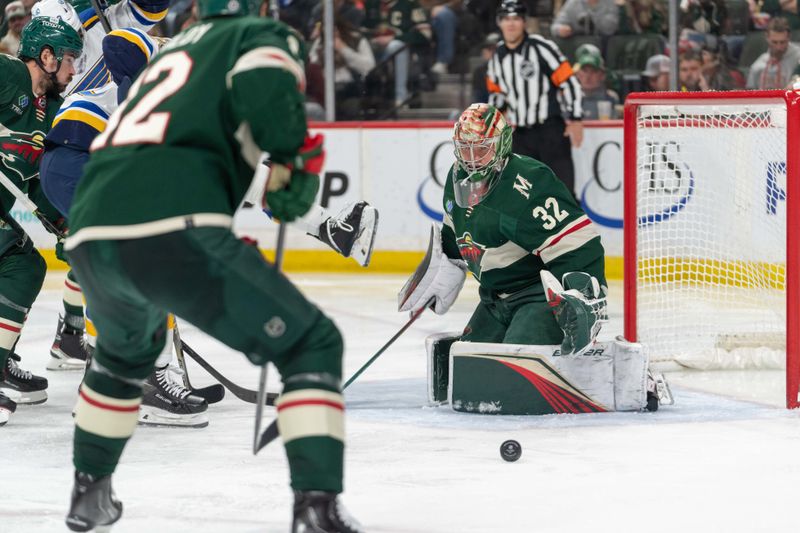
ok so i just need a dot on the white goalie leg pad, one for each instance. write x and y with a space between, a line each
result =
613 372
610 376
438 348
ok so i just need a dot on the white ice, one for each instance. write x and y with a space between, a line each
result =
712 462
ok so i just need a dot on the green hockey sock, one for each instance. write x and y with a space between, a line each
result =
105 418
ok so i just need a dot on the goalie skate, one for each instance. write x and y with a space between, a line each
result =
168 403
94 505
352 232
31 388
70 350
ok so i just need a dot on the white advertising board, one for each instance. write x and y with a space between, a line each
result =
400 168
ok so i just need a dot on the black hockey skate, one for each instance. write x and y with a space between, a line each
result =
94 505
7 407
32 388
168 403
352 232
321 512
70 350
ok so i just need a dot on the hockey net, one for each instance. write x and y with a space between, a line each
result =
708 272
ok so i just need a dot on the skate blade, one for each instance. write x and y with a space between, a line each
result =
26 398
362 248
57 363
153 417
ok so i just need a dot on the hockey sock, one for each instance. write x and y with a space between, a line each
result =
311 411
73 305
105 418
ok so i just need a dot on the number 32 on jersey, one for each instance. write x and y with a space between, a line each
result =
549 220
141 125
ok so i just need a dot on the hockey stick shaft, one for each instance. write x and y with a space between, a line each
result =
29 205
271 433
262 383
101 15
414 317
213 393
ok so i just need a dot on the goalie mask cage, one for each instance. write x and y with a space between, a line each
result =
712 220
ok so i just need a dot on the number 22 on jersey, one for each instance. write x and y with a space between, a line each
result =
141 125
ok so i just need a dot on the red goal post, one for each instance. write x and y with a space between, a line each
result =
711 250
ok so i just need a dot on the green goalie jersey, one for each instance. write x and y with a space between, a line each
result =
181 149
528 222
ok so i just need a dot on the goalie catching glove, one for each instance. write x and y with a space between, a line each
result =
579 306
437 278
292 186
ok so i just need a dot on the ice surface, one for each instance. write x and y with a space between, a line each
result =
712 462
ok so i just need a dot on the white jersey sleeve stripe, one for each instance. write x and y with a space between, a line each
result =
268 57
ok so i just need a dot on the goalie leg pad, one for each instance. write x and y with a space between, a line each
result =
438 348
513 379
534 380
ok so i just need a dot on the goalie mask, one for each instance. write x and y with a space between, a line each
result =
482 140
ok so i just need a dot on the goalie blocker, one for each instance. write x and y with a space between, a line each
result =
514 379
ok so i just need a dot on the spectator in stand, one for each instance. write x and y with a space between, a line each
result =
705 16
774 68
444 22
17 18
717 73
644 16
353 59
395 26
786 9
599 102
690 72
343 9
656 73
587 17
480 93
532 82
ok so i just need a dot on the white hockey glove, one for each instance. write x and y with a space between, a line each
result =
579 306
437 277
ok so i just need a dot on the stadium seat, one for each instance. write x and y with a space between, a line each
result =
631 52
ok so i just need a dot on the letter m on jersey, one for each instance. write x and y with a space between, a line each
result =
522 186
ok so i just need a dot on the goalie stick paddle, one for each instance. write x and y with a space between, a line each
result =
211 394
246 395
271 433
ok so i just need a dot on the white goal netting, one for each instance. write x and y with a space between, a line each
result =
711 234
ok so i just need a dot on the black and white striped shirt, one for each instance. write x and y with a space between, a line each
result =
533 82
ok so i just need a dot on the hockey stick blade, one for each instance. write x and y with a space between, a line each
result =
246 395
271 433
211 394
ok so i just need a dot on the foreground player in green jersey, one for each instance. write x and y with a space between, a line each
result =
517 229
151 234
29 87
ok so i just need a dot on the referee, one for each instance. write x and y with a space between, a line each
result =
531 80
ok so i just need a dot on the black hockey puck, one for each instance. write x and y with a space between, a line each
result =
510 451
